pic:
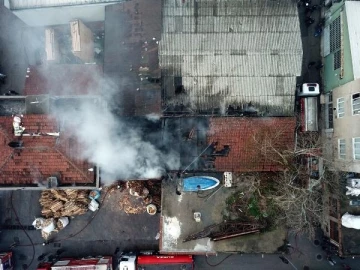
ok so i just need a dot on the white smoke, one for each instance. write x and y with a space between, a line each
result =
117 149
154 117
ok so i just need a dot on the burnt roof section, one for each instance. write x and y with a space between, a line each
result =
219 144
216 54
132 32
186 136
64 79
41 156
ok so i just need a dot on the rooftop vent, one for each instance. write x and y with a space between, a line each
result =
18 128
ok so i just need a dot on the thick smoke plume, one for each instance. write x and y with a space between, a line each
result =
117 148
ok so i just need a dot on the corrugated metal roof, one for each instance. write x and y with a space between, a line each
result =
232 52
26 4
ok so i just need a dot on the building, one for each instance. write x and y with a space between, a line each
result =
48 149
41 155
230 57
55 12
221 144
341 112
341 84
131 62
216 146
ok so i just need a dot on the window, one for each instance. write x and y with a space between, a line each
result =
342 149
337 60
356 148
340 107
356 103
335 35
335 41
329 111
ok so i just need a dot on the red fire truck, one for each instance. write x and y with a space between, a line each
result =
6 261
125 262
153 262
99 263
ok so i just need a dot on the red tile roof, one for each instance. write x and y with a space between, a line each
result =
246 137
63 79
42 156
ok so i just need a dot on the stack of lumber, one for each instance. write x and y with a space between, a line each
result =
61 203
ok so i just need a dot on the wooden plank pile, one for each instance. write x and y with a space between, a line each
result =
64 203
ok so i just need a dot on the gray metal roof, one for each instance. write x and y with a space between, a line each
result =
232 52
26 4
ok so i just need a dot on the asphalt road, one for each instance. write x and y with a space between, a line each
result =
86 235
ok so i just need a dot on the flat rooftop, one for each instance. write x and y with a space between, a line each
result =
177 222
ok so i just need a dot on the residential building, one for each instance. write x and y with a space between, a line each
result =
55 12
341 78
346 126
341 127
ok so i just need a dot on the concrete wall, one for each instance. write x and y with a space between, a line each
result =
61 15
346 127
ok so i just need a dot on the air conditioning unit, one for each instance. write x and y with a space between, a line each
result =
52 182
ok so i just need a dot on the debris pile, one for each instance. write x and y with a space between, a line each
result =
62 203
132 205
140 194
57 206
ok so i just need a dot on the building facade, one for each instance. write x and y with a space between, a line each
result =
341 84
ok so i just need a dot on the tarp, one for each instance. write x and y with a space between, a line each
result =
350 221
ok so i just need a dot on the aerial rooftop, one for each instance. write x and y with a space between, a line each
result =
238 52
42 152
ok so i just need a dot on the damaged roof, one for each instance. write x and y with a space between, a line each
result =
219 53
131 55
41 156
64 79
249 141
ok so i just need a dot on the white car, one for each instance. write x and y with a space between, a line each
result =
309 89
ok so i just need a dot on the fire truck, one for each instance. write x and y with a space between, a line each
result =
98 263
6 261
153 262
124 262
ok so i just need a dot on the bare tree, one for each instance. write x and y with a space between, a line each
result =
296 193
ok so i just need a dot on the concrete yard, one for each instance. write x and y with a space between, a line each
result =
177 222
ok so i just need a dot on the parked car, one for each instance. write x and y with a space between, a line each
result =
354 202
353 182
309 89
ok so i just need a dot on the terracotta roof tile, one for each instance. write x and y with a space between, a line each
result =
64 79
41 156
246 138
